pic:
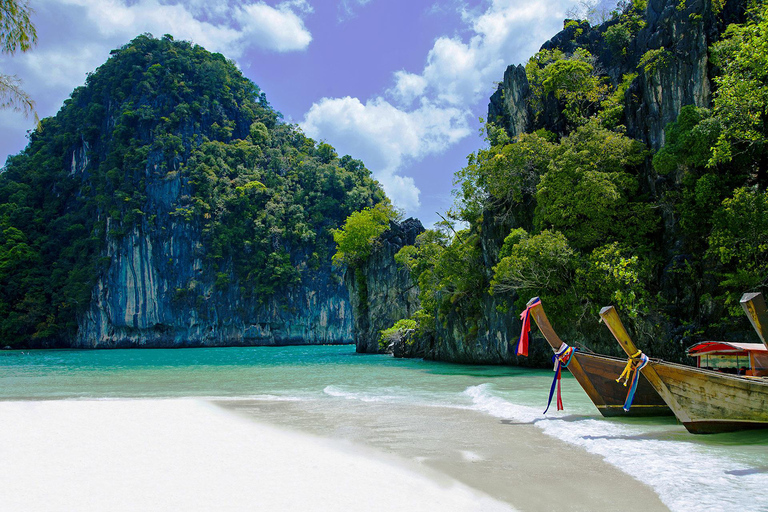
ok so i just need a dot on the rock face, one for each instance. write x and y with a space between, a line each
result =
392 295
144 299
382 292
681 75
498 330
509 104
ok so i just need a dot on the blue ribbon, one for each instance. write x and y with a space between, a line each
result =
554 383
562 359
635 380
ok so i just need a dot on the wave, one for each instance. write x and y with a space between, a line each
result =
212 398
381 395
686 475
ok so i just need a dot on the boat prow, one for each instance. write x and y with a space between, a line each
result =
705 401
597 375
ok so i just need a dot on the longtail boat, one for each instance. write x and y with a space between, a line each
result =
597 375
705 400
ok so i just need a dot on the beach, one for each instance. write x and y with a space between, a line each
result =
513 462
322 428
194 455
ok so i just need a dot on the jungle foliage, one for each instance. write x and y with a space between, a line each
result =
162 116
570 216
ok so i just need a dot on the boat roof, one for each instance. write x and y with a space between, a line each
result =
725 348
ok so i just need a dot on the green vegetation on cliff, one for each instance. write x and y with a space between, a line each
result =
355 239
581 214
169 116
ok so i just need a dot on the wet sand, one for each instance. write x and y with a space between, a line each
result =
284 456
515 463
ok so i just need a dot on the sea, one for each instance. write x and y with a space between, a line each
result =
688 472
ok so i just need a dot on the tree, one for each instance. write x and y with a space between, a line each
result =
355 239
571 79
588 194
17 33
741 99
739 240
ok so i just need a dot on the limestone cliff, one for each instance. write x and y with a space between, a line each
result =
680 75
665 54
459 337
155 293
167 204
381 291
494 340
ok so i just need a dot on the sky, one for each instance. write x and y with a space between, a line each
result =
398 84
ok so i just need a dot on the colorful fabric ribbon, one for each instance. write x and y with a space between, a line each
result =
562 359
635 363
525 316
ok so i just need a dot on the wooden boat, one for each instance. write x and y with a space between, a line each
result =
706 401
597 376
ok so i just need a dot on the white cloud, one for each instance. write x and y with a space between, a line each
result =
509 31
435 107
280 29
60 68
76 36
386 137
408 87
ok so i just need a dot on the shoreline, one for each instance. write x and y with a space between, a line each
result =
201 455
512 462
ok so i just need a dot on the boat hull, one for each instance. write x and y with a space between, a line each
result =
709 402
597 375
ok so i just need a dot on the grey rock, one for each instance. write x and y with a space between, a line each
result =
382 292
156 293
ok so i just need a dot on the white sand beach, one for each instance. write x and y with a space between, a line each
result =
188 455
192 455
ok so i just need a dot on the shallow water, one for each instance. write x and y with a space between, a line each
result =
716 472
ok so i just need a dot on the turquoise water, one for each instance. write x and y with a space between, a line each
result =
303 371
656 451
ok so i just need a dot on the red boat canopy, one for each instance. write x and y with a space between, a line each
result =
725 348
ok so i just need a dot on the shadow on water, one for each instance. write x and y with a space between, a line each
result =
673 431
648 436
753 437
747 472
511 422
570 418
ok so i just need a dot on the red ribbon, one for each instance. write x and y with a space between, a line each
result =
525 316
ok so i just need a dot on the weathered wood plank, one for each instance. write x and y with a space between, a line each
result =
612 320
705 401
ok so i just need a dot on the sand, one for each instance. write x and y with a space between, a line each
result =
515 463
188 455
193 455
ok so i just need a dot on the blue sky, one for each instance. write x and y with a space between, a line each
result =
399 84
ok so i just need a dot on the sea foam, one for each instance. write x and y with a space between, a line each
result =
684 474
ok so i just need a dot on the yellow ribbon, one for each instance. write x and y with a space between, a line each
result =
628 369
